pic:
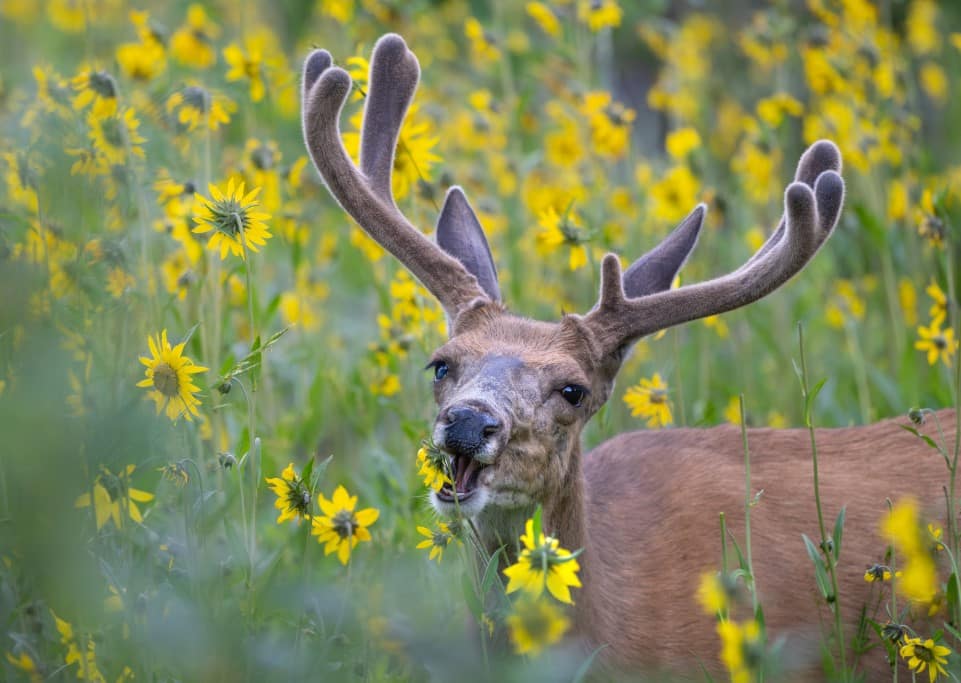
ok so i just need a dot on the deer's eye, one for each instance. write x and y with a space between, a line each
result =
440 369
574 394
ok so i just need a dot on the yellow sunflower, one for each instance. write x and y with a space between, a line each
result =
341 528
168 378
925 655
543 564
293 495
433 467
115 135
436 540
97 87
649 400
233 217
196 107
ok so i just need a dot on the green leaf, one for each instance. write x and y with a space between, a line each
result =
809 400
924 437
952 592
812 549
188 335
308 470
820 575
470 596
838 531
490 572
585 667
538 530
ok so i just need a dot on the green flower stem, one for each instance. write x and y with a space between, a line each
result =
251 397
747 505
828 553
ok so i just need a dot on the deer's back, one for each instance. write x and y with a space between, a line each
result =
654 499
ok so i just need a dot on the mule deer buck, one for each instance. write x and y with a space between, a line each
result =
515 393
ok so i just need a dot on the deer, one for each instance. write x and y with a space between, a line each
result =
513 395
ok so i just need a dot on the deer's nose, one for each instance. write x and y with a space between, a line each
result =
468 429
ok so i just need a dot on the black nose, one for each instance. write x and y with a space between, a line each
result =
468 429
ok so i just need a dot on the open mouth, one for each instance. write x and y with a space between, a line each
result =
466 472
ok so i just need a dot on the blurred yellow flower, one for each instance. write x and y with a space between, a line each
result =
741 648
535 624
117 135
711 594
95 87
114 499
939 303
193 43
674 195
681 142
556 231
251 60
599 14
937 343
483 44
196 107
934 82
545 18
901 527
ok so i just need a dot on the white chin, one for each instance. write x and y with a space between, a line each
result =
463 508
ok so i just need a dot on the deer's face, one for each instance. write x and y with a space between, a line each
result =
513 396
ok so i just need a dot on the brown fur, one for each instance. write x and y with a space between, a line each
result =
652 504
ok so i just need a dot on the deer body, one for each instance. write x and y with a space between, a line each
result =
514 394
658 494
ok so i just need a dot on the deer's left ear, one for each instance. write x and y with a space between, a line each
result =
459 233
656 269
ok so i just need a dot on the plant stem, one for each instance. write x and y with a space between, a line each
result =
747 505
825 548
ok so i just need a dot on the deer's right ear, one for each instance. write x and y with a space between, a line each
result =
656 269
459 233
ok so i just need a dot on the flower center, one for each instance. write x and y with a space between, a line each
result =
229 216
924 653
263 158
102 83
345 523
940 342
298 498
658 396
113 132
165 380
198 98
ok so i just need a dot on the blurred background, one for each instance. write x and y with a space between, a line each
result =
138 534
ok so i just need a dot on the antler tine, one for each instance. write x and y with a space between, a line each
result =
394 73
822 156
366 195
810 215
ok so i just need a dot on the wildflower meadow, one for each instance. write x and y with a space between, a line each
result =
215 419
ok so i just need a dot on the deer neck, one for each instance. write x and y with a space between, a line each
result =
563 516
